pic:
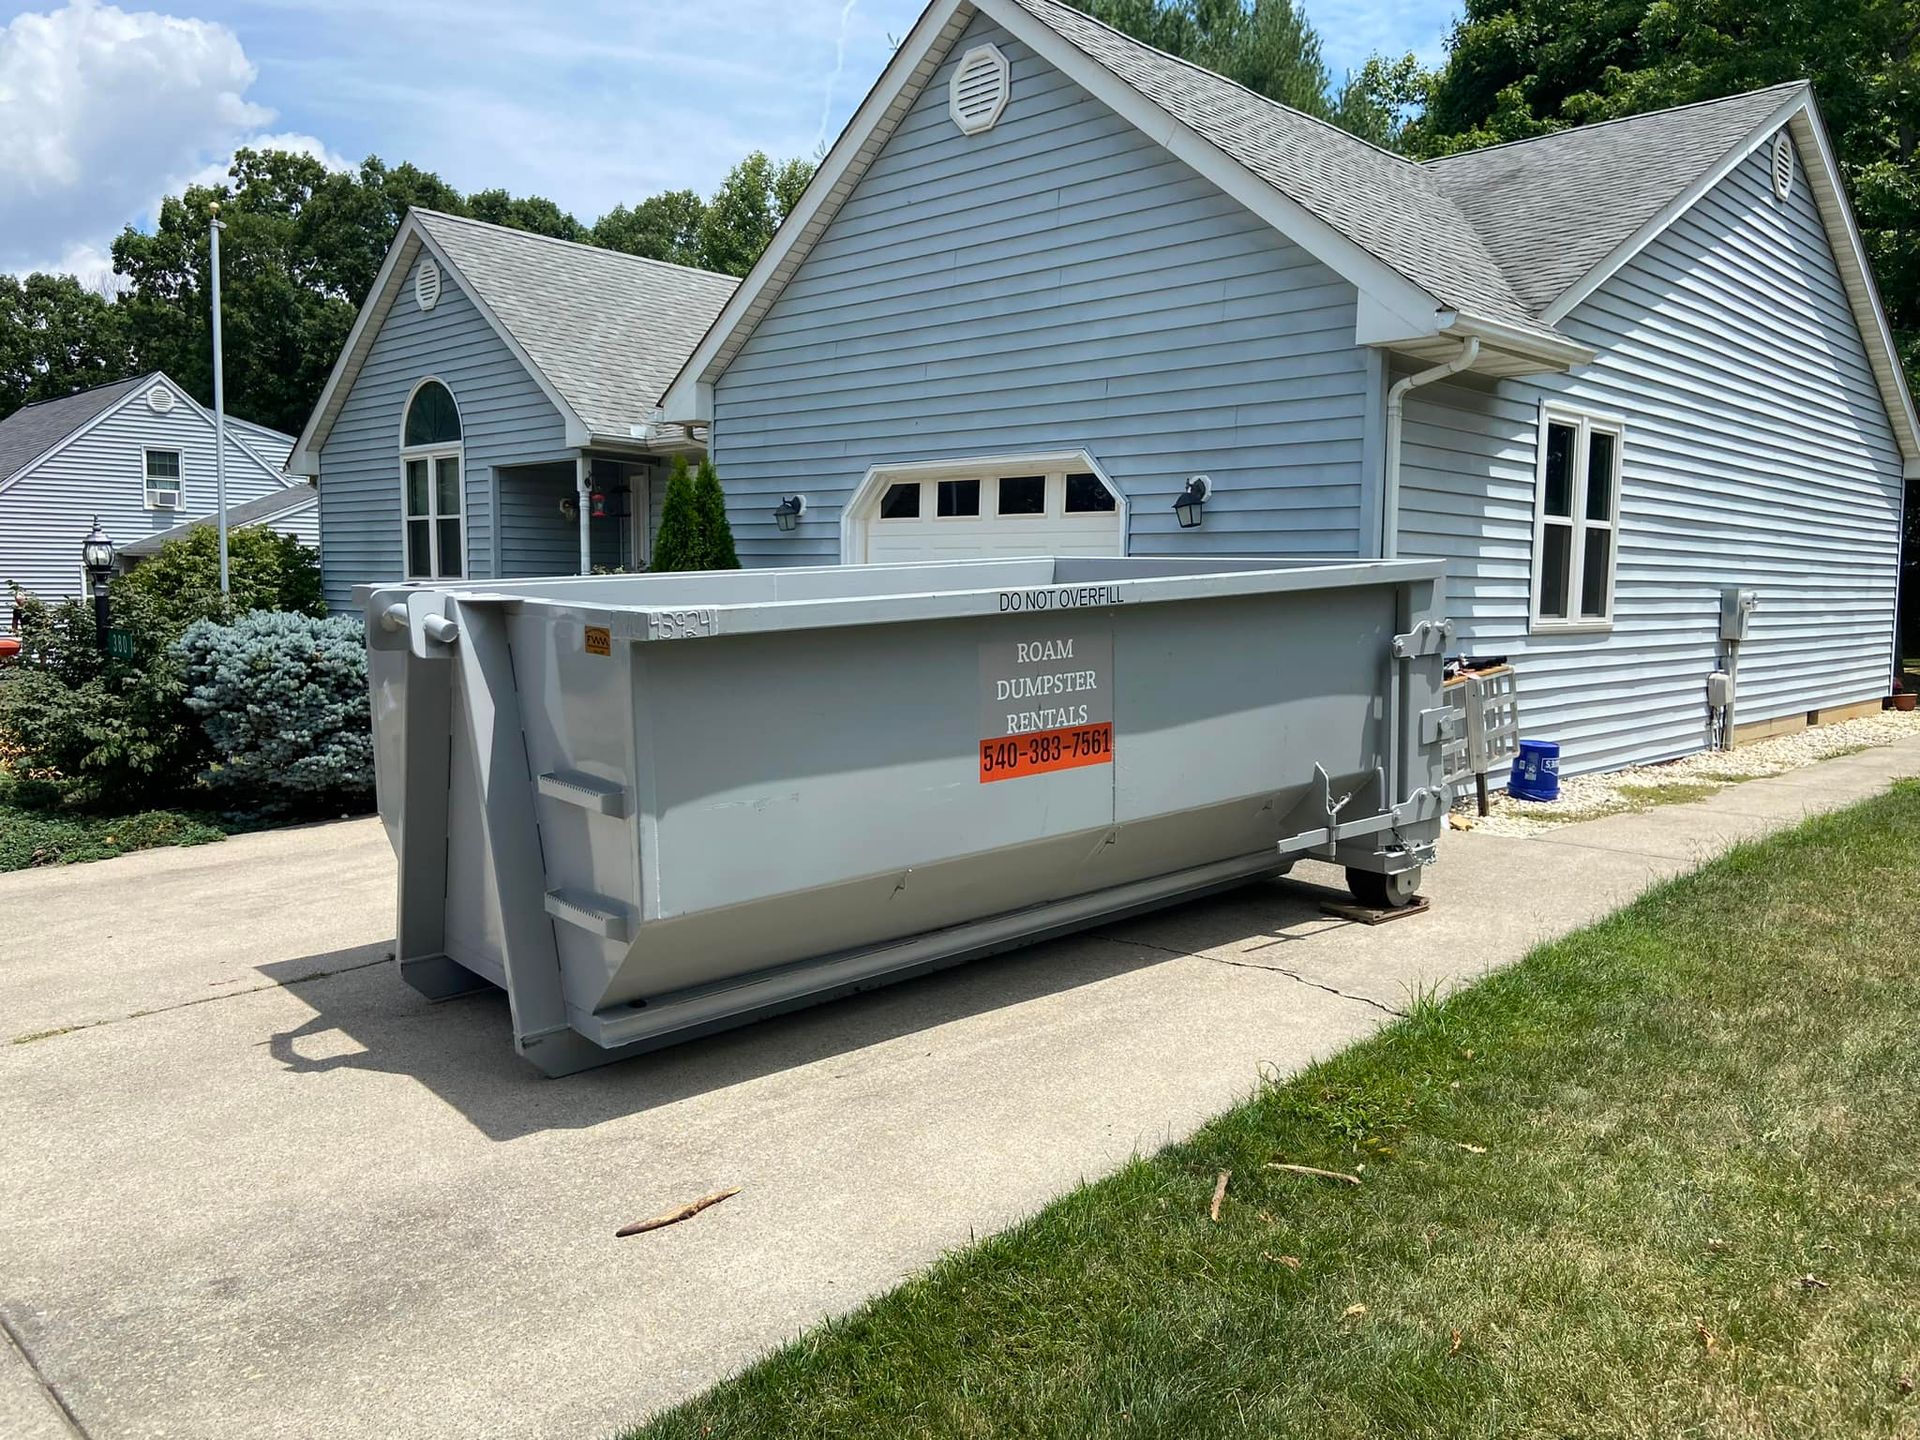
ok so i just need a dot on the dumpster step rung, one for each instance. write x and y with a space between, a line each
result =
596 914
589 792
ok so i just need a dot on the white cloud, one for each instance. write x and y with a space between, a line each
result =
100 111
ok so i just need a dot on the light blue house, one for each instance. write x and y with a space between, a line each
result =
138 455
492 412
1049 277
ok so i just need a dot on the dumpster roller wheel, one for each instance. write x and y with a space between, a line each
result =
1384 892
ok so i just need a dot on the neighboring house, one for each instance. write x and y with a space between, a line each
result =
293 511
493 381
1048 274
138 455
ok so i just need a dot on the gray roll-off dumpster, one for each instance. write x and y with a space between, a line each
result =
654 806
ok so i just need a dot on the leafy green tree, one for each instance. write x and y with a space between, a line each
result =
661 227
533 213
56 336
679 544
710 503
1267 45
180 584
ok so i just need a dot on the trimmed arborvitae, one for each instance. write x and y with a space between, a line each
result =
679 545
716 533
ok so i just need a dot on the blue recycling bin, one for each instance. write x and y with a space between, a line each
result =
1536 771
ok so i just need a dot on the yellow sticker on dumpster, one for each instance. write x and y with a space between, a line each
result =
1046 703
599 640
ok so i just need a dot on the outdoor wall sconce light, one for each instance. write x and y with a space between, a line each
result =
1192 499
788 512
569 508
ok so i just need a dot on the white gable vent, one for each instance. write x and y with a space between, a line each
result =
978 92
1782 165
426 283
160 400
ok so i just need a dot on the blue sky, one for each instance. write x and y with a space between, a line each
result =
104 109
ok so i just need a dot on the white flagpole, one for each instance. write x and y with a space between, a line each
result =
219 404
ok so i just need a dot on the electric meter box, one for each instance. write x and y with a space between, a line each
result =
1736 609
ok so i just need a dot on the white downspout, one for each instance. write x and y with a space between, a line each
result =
1396 399
585 506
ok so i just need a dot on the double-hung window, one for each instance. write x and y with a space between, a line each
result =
1576 520
163 479
431 489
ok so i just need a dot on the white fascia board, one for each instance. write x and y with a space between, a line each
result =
304 459
138 392
689 398
1556 351
1856 268
1565 303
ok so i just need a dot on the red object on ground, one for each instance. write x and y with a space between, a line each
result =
9 647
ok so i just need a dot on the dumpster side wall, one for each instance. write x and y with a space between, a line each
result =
1757 452
504 419
1058 281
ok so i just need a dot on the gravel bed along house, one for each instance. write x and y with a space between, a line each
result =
1586 797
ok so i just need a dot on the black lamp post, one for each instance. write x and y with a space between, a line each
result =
96 553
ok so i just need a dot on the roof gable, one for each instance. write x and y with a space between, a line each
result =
1553 208
33 431
599 331
72 416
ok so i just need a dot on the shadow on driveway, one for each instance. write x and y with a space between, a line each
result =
367 1018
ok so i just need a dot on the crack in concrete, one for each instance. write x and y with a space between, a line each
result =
53 1396
1294 975
59 1030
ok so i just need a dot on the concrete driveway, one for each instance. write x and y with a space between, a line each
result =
253 1185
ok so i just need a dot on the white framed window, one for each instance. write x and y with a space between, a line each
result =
163 479
1576 519
432 488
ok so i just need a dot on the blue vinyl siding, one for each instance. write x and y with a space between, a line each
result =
1057 282
504 415
46 510
1758 453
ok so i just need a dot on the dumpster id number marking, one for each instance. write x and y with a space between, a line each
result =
1046 702
1068 749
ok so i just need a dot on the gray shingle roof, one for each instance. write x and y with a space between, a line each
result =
32 430
1552 208
1500 232
251 512
608 330
1384 203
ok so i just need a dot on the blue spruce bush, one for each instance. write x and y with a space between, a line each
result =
283 701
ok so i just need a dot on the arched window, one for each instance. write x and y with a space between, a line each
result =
432 488
431 417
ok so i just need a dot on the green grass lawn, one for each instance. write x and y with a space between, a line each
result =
1660 1179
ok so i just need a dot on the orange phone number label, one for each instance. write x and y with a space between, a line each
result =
1009 757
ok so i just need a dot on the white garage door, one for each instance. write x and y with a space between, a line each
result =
953 513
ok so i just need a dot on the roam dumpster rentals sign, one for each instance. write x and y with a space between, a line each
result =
1046 703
